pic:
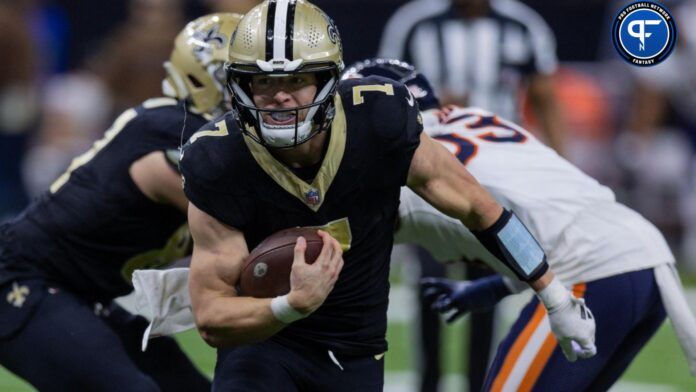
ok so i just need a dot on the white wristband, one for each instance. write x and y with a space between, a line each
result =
554 296
283 311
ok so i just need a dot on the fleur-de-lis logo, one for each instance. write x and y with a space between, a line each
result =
17 295
204 42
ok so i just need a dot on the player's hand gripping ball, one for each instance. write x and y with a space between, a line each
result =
266 273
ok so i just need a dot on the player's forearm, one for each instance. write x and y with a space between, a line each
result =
230 321
439 178
444 183
460 196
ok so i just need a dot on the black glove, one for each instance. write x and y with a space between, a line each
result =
463 295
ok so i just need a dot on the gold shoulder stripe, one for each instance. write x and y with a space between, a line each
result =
220 131
157 102
312 195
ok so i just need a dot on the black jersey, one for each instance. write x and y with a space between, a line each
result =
355 195
94 226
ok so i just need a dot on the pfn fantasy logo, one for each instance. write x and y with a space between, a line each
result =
644 33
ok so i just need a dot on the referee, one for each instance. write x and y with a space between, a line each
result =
484 53
481 53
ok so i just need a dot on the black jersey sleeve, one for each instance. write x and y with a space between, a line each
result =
163 124
214 179
394 116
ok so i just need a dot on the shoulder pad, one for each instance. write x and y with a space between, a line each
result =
355 92
385 104
210 156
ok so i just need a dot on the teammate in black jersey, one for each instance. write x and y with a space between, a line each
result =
303 150
118 207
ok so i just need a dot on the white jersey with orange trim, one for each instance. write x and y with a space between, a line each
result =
586 234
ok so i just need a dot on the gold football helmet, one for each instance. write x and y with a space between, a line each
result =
280 38
195 70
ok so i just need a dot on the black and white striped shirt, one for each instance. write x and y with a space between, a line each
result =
485 59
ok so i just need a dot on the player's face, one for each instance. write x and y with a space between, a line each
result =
284 92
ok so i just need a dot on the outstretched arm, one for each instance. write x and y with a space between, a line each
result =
439 178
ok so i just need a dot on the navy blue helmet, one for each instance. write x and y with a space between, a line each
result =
400 71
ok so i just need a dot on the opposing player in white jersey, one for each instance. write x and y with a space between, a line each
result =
608 253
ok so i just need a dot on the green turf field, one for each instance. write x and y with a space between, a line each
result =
661 362
659 367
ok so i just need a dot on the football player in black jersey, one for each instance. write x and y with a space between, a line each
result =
118 207
302 149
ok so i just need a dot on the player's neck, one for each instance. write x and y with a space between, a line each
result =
306 154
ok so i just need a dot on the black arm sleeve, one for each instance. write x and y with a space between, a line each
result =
510 241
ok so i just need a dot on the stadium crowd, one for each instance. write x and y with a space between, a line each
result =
75 65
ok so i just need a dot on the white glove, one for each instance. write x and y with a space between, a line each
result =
571 321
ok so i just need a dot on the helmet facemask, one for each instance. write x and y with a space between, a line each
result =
320 111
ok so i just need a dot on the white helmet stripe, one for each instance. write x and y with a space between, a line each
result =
279 30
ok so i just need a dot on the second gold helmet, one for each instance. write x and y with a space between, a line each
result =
195 70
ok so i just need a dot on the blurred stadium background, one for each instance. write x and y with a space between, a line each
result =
70 66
